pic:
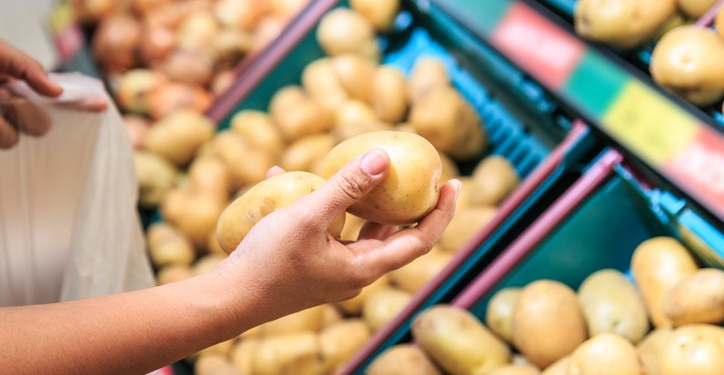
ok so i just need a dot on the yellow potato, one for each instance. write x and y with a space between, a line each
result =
353 306
259 130
330 315
612 304
686 61
297 114
209 177
355 73
352 227
213 247
320 80
342 340
458 342
389 94
449 168
296 353
343 31
411 187
603 354
242 355
415 275
223 348
381 306
693 349
206 264
264 198
194 214
548 322
621 23
214 364
514 370
698 298
246 164
354 113
403 359
156 177
172 273
167 245
177 136
380 13
445 119
464 226
559 367
494 178
306 320
464 200
658 264
429 73
650 348
499 314
695 8
306 152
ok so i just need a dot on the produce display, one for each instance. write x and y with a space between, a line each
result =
686 52
603 327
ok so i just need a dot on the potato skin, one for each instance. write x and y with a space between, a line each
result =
603 354
693 349
262 199
698 298
611 304
650 347
658 264
412 185
403 359
494 179
548 322
499 314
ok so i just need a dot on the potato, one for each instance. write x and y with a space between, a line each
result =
342 340
698 298
209 177
214 364
693 349
559 367
206 264
695 8
355 73
242 355
622 24
457 341
305 153
246 164
212 245
177 136
170 97
415 275
258 129
449 168
172 273
262 199
240 14
197 31
445 119
464 226
403 359
494 178
342 133
411 187
428 74
548 322
650 348
156 177
229 47
194 214
686 61
222 348
464 201
612 304
389 94
381 306
719 23
380 13
293 353
343 31
353 306
605 353
297 114
514 370
499 314
167 245
320 80
330 315
302 321
354 113
352 227
658 264
191 67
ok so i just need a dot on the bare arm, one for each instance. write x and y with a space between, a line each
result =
287 263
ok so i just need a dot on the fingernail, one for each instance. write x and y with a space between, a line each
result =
458 187
374 162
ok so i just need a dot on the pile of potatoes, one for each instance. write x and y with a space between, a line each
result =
604 328
346 103
686 58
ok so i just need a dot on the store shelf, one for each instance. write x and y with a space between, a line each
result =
673 139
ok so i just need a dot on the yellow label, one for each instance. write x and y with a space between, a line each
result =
61 16
649 125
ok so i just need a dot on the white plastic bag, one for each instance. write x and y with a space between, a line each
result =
69 228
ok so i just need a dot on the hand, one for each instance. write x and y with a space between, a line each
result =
17 114
298 264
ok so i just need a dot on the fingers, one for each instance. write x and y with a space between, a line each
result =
92 103
28 117
8 134
408 244
348 185
17 64
273 171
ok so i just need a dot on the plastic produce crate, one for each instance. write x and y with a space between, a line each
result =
597 223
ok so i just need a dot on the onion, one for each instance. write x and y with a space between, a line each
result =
170 97
197 31
156 45
134 87
189 66
116 43
240 14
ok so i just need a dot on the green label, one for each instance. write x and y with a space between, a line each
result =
483 16
594 84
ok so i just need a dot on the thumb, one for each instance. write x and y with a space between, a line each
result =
346 187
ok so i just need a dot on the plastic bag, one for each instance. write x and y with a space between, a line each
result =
69 228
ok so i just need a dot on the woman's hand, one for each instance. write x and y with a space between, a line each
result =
298 264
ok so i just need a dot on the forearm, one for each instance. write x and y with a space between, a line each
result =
130 333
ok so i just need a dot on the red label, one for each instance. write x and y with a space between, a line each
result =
538 45
68 42
699 170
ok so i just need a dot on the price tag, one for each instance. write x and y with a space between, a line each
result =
67 36
538 45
